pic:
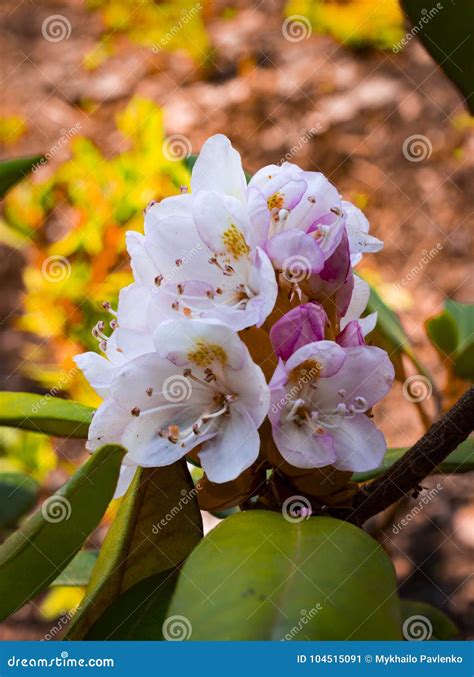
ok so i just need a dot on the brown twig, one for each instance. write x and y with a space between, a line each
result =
406 474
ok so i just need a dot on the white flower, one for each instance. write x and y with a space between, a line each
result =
197 387
357 226
200 252
357 305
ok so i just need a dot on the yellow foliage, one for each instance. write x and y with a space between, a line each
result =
61 602
12 127
357 23
26 452
76 222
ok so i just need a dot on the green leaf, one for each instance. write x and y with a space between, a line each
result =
459 461
452 333
78 572
45 414
257 576
32 557
12 171
446 34
139 613
424 621
156 527
18 494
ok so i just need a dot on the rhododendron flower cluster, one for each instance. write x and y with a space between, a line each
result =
177 373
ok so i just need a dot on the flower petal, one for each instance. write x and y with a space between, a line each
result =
219 168
302 448
98 371
359 444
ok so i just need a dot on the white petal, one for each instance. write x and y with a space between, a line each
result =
359 300
233 449
185 341
107 426
301 448
357 227
97 370
216 217
328 354
144 270
359 444
219 168
127 473
368 324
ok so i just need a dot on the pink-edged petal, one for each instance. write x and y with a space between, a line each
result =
359 444
366 373
316 203
98 371
233 449
329 356
300 326
302 448
368 324
219 168
351 335
223 224
262 279
295 253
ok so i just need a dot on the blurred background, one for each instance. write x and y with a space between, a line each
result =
116 94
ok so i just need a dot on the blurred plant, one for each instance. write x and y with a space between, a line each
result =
12 128
73 224
357 23
169 26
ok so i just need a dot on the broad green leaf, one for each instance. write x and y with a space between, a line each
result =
139 613
257 576
452 333
17 495
12 171
45 414
459 461
156 527
446 34
32 557
424 621
78 572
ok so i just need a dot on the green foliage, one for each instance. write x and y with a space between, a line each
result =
78 571
452 333
446 34
45 414
13 171
156 527
459 461
32 557
442 626
257 576
17 496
